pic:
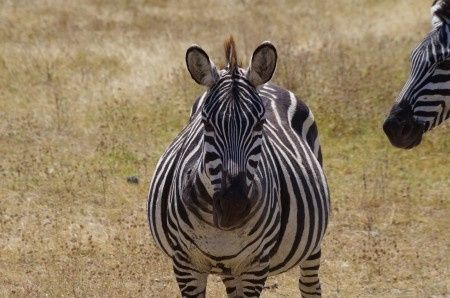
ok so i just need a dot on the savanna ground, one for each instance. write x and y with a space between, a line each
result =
92 91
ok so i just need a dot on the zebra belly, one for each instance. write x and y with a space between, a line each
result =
302 234
227 252
293 247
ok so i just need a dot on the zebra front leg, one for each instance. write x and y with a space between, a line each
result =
248 284
309 283
192 283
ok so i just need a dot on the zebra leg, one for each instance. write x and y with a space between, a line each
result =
192 283
248 284
231 286
309 283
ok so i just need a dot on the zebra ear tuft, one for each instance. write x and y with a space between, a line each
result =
263 63
200 67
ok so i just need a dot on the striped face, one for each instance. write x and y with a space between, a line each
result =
424 101
233 117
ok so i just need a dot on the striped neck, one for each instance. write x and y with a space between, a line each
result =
196 198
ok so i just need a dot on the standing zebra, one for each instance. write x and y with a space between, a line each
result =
241 192
424 101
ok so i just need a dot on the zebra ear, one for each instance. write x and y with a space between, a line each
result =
202 70
263 63
435 20
440 13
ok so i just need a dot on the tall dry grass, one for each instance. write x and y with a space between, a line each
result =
92 91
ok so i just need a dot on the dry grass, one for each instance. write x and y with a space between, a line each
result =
92 91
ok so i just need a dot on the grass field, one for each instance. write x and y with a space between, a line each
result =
92 91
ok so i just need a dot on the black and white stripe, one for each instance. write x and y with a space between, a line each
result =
241 192
424 102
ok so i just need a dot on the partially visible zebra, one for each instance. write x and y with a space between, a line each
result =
424 102
241 192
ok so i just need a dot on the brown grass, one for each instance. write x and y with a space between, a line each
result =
92 91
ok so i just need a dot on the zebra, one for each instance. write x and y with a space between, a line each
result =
424 102
241 192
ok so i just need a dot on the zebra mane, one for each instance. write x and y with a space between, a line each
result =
230 54
441 10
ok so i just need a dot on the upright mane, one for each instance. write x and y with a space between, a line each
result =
230 54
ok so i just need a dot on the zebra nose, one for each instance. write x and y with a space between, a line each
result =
402 132
397 128
400 126
231 209
233 180
238 179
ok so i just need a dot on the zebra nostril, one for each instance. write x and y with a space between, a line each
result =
405 128
395 127
403 132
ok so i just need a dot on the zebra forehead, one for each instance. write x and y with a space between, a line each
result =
233 90
229 106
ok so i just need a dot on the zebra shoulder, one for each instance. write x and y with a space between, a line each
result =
298 114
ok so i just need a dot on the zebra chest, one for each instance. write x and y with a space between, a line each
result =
219 251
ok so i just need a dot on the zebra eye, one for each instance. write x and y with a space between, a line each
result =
259 125
444 64
207 125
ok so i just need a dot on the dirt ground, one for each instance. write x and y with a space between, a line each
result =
92 91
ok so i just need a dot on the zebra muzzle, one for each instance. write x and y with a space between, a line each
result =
402 129
230 210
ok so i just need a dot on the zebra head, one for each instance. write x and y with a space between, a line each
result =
424 101
233 116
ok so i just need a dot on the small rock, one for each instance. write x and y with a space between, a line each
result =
271 287
133 179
